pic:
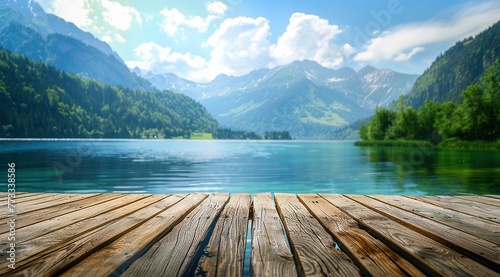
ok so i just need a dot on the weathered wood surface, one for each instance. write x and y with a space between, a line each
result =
225 252
271 255
314 247
173 254
374 257
291 235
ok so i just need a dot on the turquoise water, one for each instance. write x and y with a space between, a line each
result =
170 166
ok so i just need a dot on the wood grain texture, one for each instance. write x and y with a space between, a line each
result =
314 248
68 253
430 256
480 199
33 217
225 252
41 228
56 199
130 246
482 211
270 255
374 257
472 225
33 249
21 204
492 196
173 254
23 197
484 251
172 235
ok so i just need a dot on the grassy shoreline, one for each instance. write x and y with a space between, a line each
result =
446 144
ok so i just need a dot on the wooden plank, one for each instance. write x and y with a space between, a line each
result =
487 212
29 200
28 250
19 195
225 252
481 199
175 253
481 250
40 198
130 246
53 224
493 196
374 257
20 200
33 217
428 255
313 247
25 207
475 226
56 200
270 254
56 260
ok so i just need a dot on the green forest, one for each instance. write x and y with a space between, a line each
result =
457 68
476 117
37 100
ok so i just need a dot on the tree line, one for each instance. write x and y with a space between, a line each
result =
475 118
228 133
37 100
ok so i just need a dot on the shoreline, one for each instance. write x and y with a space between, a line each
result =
453 144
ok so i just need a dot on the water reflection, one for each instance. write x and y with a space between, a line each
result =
439 171
156 166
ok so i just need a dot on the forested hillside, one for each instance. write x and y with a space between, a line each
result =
459 67
70 55
37 100
475 118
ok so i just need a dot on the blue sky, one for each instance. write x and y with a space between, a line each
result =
199 39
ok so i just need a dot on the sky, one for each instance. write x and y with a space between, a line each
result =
199 39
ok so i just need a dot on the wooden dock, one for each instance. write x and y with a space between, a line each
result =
291 235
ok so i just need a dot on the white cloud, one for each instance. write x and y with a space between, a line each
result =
119 16
407 56
218 8
401 43
174 21
158 59
107 39
240 45
120 39
76 11
310 37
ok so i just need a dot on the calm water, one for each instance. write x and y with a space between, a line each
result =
163 166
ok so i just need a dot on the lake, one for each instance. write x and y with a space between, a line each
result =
183 166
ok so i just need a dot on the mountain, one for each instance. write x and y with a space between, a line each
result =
37 100
30 14
27 30
310 101
458 67
371 87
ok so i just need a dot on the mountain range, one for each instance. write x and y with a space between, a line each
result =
303 97
310 101
27 30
